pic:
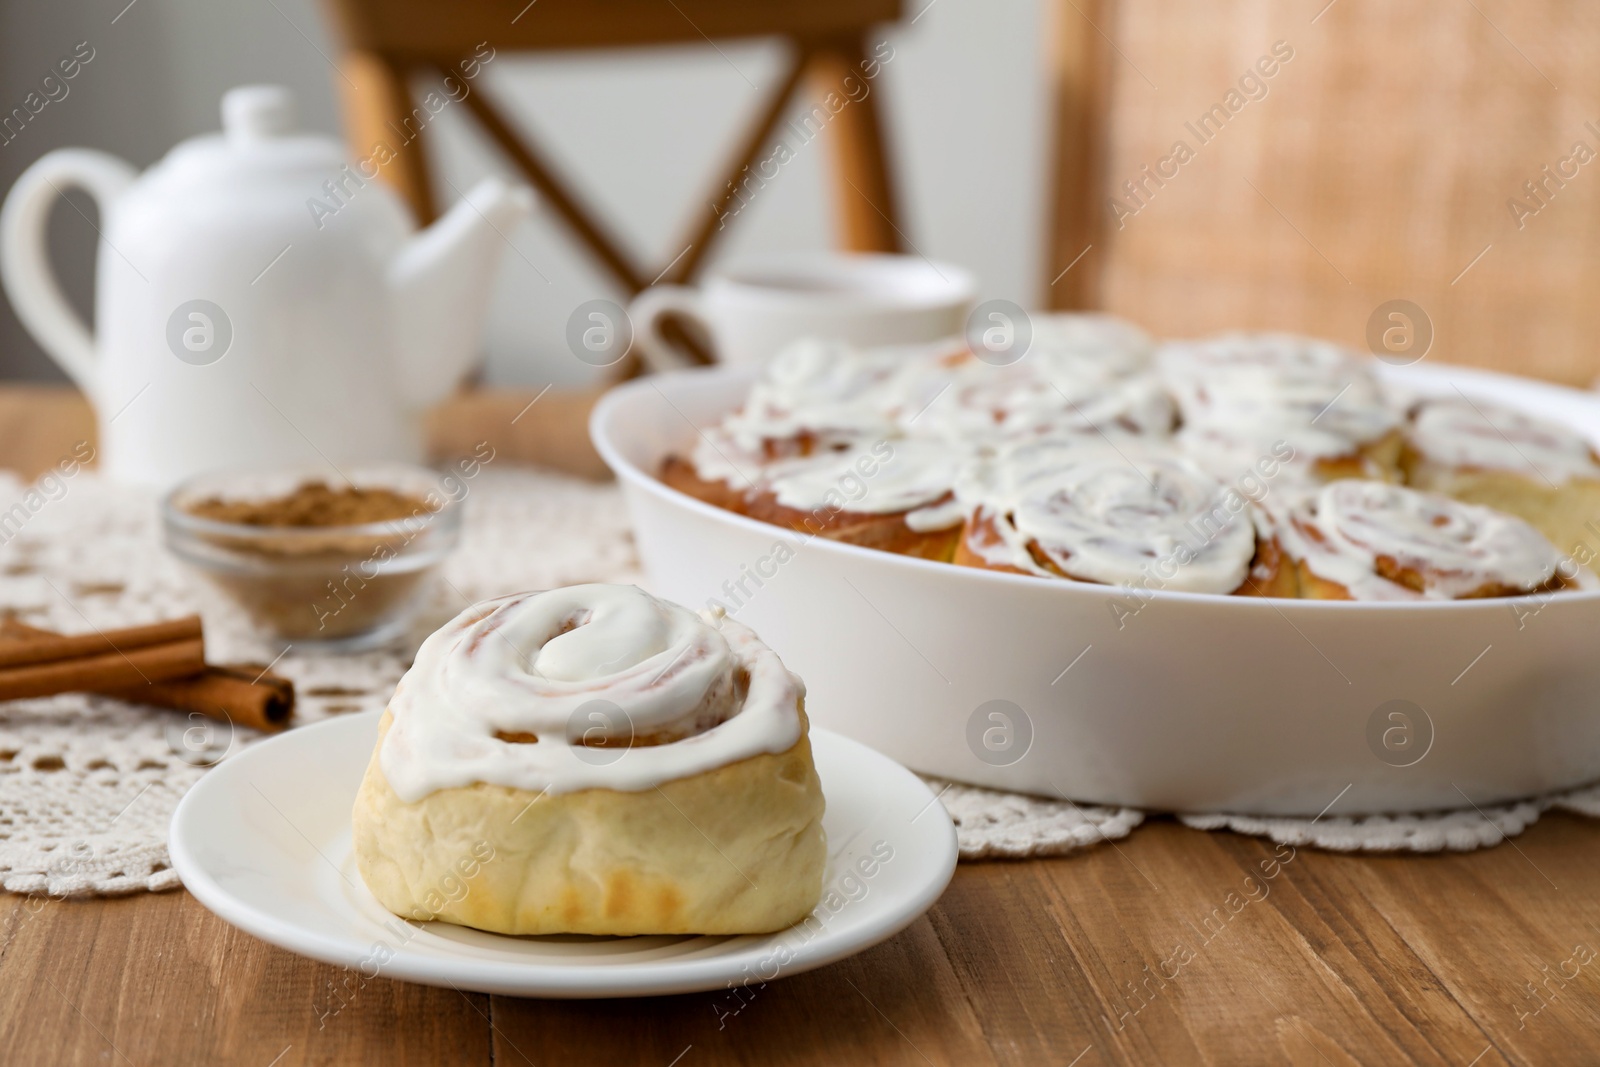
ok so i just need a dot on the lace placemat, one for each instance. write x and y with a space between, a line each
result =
88 784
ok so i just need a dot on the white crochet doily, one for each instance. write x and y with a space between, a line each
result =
88 784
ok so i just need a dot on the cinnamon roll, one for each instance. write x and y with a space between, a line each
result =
1291 450
1111 512
1360 540
814 394
1099 344
1044 394
716 471
1486 454
813 399
897 496
602 762
1205 466
1239 392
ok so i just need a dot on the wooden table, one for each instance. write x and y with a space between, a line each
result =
1168 947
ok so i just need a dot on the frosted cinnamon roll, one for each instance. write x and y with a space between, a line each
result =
602 762
1122 513
1358 540
813 399
897 496
815 393
717 470
1321 398
1257 368
1042 394
1293 450
1485 454
1090 343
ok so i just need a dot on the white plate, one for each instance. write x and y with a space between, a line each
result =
263 840
1165 701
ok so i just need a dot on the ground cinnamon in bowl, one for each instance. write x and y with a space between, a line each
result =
313 561
314 503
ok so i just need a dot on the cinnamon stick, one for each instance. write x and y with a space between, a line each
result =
39 662
245 695
31 645
31 662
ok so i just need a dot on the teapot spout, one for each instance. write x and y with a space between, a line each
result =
440 281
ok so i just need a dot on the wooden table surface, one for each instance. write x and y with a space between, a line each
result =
1169 947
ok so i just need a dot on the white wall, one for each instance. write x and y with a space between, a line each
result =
641 133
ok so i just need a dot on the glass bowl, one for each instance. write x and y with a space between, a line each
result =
338 587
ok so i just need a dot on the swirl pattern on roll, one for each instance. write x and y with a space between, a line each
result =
1113 511
519 691
828 391
906 475
1387 542
1313 390
1457 432
1044 394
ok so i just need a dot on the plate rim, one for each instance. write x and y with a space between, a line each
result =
545 980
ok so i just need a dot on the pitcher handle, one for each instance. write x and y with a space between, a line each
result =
25 268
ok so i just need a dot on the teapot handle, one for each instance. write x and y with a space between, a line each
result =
25 268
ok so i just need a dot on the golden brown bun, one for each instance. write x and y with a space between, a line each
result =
679 473
1314 587
1375 460
1272 574
885 532
979 531
1568 514
1381 459
737 850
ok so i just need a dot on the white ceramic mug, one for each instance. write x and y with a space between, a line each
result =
757 306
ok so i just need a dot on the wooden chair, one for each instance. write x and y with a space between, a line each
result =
385 41
1401 153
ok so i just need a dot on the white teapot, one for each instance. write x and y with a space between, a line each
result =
259 299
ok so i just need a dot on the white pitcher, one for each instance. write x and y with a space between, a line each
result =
259 299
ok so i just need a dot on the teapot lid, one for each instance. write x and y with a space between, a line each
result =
258 135
253 113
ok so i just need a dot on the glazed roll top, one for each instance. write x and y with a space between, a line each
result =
825 392
517 691
915 477
1113 511
1465 434
1386 542
1291 386
1257 369
1044 394
1115 347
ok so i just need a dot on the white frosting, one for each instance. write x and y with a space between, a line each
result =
1098 344
1343 531
1454 432
829 390
719 457
1289 357
884 478
1241 380
1119 512
1044 394
1067 457
701 692
1228 451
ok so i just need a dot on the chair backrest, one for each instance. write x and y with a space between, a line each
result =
1301 166
384 41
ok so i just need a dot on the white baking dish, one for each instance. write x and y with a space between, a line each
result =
1195 703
